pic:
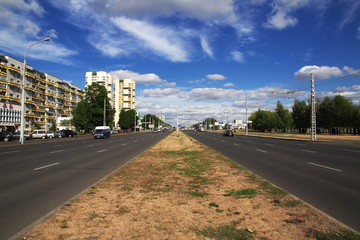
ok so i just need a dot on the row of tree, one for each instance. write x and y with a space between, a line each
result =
334 115
90 112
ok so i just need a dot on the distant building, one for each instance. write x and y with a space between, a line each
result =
101 78
46 97
123 97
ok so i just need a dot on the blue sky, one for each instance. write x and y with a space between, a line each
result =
194 59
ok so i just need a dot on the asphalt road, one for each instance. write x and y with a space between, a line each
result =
36 179
326 176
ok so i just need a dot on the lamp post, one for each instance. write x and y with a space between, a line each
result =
23 91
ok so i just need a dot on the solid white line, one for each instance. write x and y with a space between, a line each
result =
9 152
236 144
348 150
50 165
56 151
124 144
259 150
315 164
102 151
90 145
309 151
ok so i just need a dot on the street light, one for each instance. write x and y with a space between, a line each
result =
23 91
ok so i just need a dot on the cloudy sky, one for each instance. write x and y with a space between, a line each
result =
194 59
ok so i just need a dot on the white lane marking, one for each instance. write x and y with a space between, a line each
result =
50 165
124 144
271 145
236 144
56 151
135 140
319 165
101 151
9 152
259 150
90 145
309 151
348 150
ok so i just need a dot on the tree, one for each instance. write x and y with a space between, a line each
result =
127 119
301 115
89 112
263 120
283 117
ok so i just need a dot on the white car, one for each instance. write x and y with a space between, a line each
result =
39 134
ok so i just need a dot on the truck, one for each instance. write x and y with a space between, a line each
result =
102 132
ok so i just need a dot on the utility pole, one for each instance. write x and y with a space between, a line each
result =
246 111
104 119
313 110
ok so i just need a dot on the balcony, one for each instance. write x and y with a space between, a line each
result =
10 98
29 102
3 73
30 75
29 115
13 83
14 69
38 110
2 89
40 98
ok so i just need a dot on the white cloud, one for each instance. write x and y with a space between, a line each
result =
280 20
216 77
160 40
238 56
212 94
205 46
149 78
160 93
320 73
229 85
350 70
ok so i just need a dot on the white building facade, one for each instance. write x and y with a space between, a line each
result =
123 97
46 97
102 78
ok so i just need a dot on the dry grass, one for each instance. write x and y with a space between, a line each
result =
180 189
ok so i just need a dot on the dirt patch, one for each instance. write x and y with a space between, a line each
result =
180 189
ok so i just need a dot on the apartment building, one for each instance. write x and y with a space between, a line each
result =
123 97
102 78
46 97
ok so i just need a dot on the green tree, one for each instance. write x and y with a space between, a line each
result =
263 120
283 118
301 115
127 119
89 112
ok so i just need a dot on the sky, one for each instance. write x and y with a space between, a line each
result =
194 59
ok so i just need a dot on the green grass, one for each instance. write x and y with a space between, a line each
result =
243 193
197 194
225 233
346 235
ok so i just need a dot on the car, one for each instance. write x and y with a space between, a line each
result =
59 134
69 133
16 136
51 134
6 136
39 133
121 131
102 132
228 133
114 131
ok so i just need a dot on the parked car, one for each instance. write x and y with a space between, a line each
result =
16 136
228 133
39 134
69 133
121 131
114 131
59 134
6 136
102 132
51 134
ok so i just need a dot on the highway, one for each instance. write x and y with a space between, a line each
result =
326 176
38 178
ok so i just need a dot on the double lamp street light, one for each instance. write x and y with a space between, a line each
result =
23 91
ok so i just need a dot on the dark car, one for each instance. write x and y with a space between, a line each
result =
228 133
68 133
6 136
59 134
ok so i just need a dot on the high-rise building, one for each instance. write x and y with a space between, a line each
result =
101 78
46 97
124 96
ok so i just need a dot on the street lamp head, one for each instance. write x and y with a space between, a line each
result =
47 39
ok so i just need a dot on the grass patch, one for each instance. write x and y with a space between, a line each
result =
244 193
346 235
225 233
197 194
